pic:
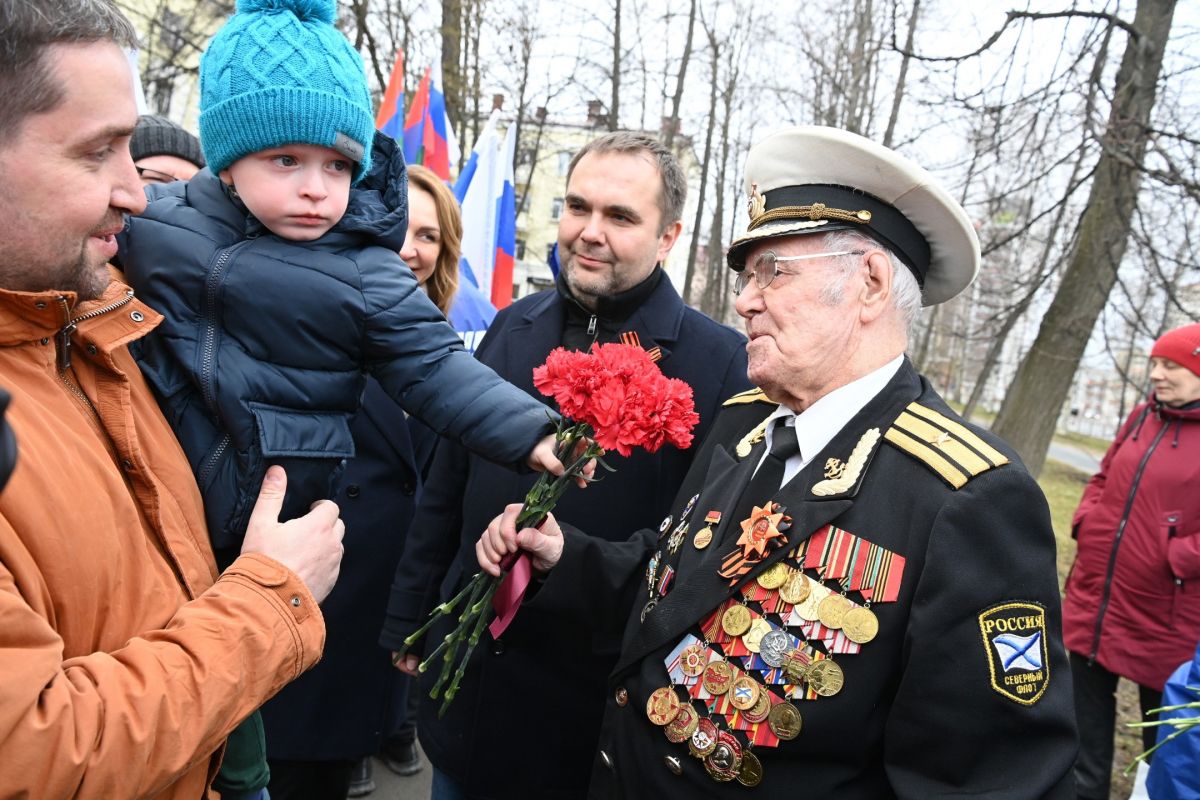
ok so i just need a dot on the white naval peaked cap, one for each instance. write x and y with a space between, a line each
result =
814 179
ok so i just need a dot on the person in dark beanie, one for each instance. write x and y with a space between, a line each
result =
1132 604
163 152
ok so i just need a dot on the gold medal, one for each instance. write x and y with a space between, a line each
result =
718 677
759 711
752 638
860 625
663 705
784 721
693 660
832 611
807 608
775 576
750 773
684 725
825 677
744 693
725 760
795 589
736 620
704 536
797 665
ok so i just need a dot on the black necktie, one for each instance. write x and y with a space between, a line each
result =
769 477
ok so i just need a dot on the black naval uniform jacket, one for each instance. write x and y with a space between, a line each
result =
930 707
504 734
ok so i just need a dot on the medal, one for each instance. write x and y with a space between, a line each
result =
758 712
693 660
832 611
663 705
750 773
784 721
676 538
736 620
718 677
646 609
825 677
797 665
652 570
691 503
795 589
774 647
725 759
662 526
752 638
860 625
775 576
683 726
704 738
806 609
744 693
704 536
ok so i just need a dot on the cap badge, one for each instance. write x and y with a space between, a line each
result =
758 204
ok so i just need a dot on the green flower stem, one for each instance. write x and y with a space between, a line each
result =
474 640
477 586
444 608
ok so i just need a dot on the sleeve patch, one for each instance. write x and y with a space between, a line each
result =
1014 643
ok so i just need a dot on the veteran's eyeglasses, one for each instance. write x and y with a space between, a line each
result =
154 176
765 267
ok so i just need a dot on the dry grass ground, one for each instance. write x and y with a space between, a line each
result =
1063 487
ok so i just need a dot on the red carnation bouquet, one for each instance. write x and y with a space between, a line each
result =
613 397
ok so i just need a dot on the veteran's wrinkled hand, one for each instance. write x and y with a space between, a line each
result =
544 543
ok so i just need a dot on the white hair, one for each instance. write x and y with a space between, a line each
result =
906 293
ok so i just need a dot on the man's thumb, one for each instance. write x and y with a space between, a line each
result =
270 496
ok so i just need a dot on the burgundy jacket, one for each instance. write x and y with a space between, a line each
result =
1133 596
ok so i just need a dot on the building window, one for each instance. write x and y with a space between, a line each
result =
519 250
564 161
556 208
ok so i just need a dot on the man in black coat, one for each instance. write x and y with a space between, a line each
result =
863 602
503 734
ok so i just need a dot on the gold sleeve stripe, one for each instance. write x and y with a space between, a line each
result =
943 441
925 454
965 434
748 396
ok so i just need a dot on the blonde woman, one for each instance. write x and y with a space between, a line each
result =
434 239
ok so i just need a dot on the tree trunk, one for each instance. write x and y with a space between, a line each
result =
673 120
1030 411
452 76
689 292
614 106
899 95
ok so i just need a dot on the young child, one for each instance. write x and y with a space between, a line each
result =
277 271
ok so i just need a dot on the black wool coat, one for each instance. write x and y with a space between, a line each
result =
940 703
518 693
337 710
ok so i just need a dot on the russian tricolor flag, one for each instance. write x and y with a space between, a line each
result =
428 138
390 118
485 189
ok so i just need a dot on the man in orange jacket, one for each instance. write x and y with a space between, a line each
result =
125 660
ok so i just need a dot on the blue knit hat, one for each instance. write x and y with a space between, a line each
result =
280 73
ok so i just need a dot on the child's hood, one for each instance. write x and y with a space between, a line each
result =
378 204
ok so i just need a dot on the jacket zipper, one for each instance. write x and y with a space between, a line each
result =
208 357
62 341
1112 558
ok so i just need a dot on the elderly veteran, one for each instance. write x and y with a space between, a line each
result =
862 599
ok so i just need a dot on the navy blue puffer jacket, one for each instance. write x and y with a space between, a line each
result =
262 355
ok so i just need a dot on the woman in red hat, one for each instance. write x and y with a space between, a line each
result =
1132 605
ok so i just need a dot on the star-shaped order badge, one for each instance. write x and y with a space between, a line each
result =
761 532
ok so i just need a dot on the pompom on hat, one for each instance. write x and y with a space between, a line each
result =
814 179
280 73
1181 345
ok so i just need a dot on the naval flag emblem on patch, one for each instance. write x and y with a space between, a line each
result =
1014 639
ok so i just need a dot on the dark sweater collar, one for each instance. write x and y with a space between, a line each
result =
614 308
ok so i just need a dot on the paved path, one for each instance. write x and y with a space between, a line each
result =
1073 456
390 786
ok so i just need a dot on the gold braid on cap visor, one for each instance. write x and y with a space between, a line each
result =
815 212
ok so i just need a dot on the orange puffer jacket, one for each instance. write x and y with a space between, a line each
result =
124 660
